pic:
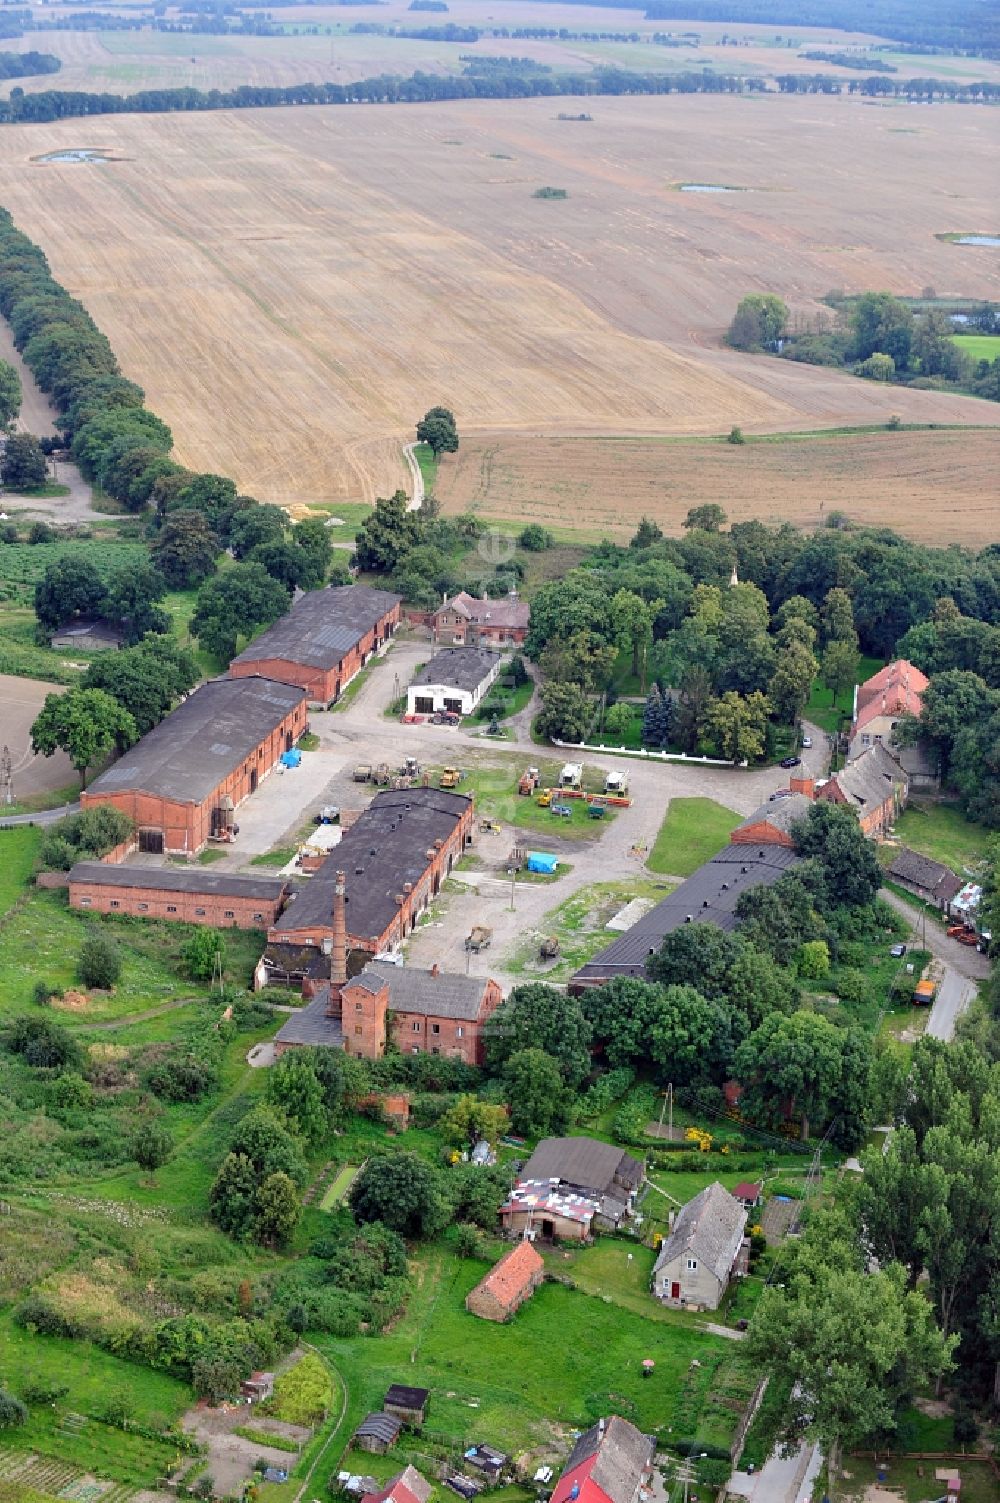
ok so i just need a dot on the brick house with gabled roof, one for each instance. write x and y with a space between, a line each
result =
507 1285
421 1012
772 823
879 703
611 1462
408 1487
873 786
468 619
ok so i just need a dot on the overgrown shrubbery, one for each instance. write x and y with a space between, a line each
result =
85 836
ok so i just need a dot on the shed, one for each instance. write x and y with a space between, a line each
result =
508 1284
258 1386
378 1432
410 1404
542 861
747 1193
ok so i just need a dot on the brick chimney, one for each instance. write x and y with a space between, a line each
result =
803 785
435 969
338 948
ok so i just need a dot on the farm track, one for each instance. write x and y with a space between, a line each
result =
293 287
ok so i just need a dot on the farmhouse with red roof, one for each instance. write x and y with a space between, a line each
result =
879 703
610 1463
408 1487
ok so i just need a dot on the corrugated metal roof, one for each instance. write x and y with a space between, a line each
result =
322 626
199 744
709 896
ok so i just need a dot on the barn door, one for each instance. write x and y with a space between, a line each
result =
151 841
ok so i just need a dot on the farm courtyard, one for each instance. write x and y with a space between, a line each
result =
353 262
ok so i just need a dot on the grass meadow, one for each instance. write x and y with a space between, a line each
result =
694 830
942 832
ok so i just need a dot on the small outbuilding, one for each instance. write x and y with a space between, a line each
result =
378 1432
507 1285
454 681
926 879
258 1387
747 1193
408 1404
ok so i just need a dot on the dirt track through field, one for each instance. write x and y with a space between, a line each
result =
294 287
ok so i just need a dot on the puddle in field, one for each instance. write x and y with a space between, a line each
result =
708 188
75 154
977 240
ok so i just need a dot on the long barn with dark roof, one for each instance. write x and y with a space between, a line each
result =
394 859
709 896
323 641
182 782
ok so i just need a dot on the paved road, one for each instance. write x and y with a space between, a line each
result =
43 816
782 1479
964 969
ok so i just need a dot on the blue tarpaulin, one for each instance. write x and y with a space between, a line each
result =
291 758
541 861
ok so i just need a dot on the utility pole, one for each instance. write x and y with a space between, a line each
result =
668 1095
6 776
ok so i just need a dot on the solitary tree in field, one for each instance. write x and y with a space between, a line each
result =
437 429
706 518
85 724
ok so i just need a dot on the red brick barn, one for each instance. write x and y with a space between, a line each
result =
394 857
183 894
183 781
507 1285
324 640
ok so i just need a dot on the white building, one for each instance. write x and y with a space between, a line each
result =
455 680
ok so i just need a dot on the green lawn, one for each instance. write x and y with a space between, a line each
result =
497 798
820 708
424 455
336 1192
566 1358
45 944
694 831
92 1376
579 925
978 346
942 832
914 1481
18 849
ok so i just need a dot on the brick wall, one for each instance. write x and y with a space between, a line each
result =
363 1015
182 907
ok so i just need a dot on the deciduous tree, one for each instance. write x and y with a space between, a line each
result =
23 466
537 1016
404 1192
737 725
84 723
234 604
184 550
536 1093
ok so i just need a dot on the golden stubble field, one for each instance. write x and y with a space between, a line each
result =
935 487
294 287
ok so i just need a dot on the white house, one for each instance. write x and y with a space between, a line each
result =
704 1250
454 680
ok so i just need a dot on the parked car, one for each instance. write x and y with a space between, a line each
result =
897 951
807 742
780 793
563 810
790 761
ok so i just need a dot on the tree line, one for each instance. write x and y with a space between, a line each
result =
966 26
877 336
52 104
983 91
191 519
27 64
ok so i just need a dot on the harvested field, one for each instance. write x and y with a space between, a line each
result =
20 701
294 287
938 487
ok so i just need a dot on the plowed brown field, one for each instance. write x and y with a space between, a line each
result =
294 287
936 487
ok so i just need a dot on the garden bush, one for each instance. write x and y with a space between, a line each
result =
12 1411
100 962
302 1395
